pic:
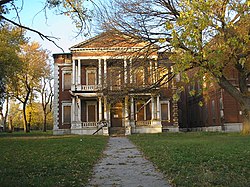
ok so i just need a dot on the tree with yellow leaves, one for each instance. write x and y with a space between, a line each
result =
24 83
212 36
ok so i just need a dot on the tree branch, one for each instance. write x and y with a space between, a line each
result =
49 38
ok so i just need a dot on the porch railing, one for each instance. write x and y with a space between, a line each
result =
143 123
89 124
89 87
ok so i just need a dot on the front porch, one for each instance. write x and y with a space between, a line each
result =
85 114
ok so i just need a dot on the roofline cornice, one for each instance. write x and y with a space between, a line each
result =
108 49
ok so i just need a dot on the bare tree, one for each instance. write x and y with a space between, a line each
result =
46 92
210 36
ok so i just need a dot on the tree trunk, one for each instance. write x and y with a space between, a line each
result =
44 122
10 124
246 121
25 123
6 113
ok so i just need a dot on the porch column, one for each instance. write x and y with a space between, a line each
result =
155 70
100 108
73 109
100 72
151 72
105 71
73 71
132 112
130 70
79 71
108 114
79 109
125 71
153 108
158 107
126 108
105 108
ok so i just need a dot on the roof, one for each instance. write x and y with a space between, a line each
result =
111 40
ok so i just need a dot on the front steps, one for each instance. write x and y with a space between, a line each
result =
117 131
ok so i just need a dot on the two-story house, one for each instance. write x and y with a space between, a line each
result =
111 79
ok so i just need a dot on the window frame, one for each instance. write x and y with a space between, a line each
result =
63 80
169 112
91 70
66 104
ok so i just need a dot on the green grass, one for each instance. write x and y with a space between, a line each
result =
44 160
199 159
24 134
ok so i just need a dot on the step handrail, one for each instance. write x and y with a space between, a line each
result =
103 124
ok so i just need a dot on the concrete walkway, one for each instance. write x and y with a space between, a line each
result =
123 165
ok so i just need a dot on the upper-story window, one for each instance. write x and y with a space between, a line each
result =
114 77
66 81
163 76
91 77
139 76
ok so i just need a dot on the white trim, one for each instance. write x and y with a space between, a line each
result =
66 65
168 103
125 71
79 72
56 97
108 49
87 112
109 57
130 71
105 70
99 71
63 105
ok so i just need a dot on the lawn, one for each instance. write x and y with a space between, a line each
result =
199 159
40 159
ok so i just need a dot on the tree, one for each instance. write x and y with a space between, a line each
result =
210 36
24 83
10 39
46 92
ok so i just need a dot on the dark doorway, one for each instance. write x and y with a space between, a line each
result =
116 115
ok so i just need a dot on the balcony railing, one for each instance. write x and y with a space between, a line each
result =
90 124
89 87
79 125
143 123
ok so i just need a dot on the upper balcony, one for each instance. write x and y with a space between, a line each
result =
113 74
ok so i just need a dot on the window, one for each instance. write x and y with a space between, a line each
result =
163 73
115 78
139 76
66 81
165 111
91 77
66 114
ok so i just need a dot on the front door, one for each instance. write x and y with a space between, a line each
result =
116 115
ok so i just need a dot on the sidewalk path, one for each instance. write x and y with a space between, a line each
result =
124 166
